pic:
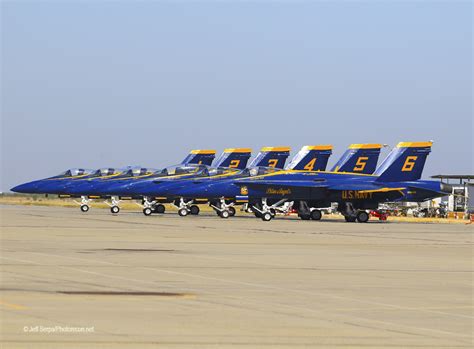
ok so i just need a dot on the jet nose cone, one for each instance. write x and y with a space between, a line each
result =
26 188
446 188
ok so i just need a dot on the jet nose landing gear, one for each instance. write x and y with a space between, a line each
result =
183 212
223 209
267 216
114 204
267 212
151 206
186 207
84 203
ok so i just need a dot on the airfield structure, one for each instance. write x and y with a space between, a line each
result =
462 197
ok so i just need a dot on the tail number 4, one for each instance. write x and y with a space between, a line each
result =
409 163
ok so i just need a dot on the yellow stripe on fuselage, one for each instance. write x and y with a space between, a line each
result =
148 174
382 190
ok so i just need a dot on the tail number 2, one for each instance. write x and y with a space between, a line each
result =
272 162
234 163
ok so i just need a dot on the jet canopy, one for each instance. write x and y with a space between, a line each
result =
137 172
258 171
102 172
74 172
182 169
215 171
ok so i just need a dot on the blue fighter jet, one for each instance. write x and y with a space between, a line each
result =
61 184
396 179
154 192
224 194
231 159
308 157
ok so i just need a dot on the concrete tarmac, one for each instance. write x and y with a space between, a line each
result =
78 280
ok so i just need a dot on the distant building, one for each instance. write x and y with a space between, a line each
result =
462 198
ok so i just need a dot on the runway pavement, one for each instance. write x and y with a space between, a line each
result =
127 281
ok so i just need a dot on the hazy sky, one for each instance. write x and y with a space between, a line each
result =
117 83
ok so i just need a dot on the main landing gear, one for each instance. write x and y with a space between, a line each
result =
307 213
186 207
223 209
352 215
151 206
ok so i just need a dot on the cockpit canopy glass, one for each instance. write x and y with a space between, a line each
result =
101 172
138 171
258 171
182 169
74 172
221 171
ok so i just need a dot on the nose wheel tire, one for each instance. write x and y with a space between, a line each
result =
362 217
159 208
115 209
183 212
316 215
84 208
194 210
350 219
267 216
224 214
147 211
231 211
